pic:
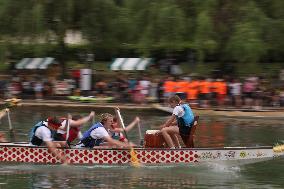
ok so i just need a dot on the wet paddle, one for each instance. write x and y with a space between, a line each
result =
12 134
68 128
140 134
134 160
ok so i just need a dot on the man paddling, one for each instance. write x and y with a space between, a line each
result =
75 124
42 135
98 134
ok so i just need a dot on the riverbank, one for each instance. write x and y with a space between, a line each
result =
277 113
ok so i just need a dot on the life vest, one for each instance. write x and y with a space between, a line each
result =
117 136
73 134
34 139
185 122
89 141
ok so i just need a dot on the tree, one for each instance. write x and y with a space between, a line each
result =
165 28
246 43
204 34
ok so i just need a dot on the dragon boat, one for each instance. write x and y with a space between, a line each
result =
24 153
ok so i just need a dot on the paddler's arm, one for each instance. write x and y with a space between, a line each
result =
117 143
3 112
83 120
129 127
132 124
53 149
169 122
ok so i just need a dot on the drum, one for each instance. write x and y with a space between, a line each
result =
154 139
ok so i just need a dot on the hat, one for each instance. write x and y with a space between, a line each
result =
54 122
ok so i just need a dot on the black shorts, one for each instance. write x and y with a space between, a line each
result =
183 128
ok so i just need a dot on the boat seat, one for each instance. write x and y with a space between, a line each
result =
189 139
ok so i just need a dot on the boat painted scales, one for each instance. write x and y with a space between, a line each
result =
24 153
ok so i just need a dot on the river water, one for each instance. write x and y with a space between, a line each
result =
211 132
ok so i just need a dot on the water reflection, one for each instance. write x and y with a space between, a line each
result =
194 176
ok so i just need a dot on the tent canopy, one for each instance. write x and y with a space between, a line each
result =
130 63
35 63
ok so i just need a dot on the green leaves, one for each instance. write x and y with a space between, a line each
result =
241 31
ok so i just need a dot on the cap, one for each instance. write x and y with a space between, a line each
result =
54 122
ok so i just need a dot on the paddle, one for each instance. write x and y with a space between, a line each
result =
140 134
12 134
68 128
134 160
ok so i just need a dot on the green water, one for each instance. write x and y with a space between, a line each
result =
211 132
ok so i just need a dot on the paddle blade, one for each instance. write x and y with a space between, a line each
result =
134 160
278 148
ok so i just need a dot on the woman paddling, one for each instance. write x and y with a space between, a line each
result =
98 134
116 130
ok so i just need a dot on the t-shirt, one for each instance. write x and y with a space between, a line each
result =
178 111
99 133
43 133
236 88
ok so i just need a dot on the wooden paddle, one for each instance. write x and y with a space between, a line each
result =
134 160
140 134
12 134
68 127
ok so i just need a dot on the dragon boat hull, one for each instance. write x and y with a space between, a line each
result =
23 153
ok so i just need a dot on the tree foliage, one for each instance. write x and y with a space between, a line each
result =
239 31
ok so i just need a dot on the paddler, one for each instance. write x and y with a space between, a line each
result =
98 134
42 135
116 130
75 124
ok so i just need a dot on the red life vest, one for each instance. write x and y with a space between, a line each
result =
73 134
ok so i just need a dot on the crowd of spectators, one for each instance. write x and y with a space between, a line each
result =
250 92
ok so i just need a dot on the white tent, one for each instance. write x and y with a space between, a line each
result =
130 63
35 63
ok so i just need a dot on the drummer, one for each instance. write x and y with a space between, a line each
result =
98 134
180 122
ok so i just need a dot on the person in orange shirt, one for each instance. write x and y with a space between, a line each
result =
222 92
169 87
192 92
205 91
181 87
